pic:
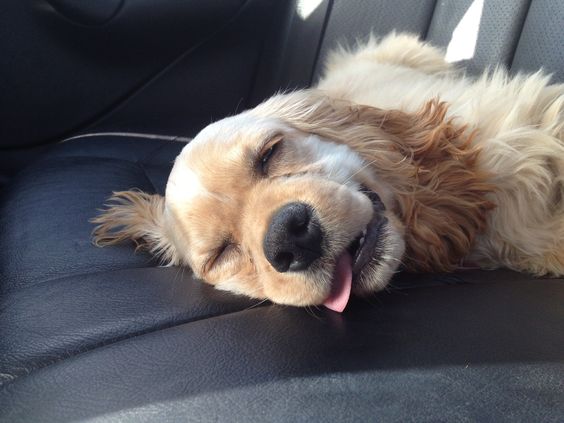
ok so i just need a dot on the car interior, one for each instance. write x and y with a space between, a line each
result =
101 96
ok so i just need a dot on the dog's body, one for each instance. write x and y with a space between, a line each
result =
394 158
519 127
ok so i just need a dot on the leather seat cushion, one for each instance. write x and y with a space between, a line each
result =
88 332
61 295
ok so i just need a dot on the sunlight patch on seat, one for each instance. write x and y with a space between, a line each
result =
305 8
462 45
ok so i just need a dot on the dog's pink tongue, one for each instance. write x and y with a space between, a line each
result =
342 283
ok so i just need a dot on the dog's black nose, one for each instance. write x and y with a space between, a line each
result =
293 239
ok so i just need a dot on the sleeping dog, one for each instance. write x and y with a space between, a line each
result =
395 160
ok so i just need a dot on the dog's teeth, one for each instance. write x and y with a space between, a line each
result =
361 241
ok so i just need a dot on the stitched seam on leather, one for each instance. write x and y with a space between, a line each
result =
431 16
518 36
324 26
147 177
30 369
140 135
152 153
141 164
110 159
71 275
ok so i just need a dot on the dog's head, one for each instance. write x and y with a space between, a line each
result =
279 203
264 208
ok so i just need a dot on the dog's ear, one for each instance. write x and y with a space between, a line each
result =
139 217
312 111
367 130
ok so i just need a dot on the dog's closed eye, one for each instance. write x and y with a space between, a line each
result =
268 153
220 255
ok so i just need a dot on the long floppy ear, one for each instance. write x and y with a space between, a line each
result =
378 135
427 158
313 111
139 217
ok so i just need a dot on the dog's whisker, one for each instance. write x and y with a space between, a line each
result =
310 311
359 170
257 304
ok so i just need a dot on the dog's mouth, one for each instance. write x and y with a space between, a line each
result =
361 251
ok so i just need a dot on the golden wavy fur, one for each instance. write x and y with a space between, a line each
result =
461 169
429 161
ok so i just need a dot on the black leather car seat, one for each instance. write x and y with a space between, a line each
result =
95 334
